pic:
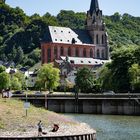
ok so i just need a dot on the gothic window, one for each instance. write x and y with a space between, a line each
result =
98 53
62 51
84 52
49 54
102 39
97 39
55 52
103 54
77 52
91 53
69 51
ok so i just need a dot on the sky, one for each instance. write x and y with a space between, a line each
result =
109 7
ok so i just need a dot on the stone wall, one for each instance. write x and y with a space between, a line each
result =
74 137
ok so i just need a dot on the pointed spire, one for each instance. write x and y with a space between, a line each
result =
94 6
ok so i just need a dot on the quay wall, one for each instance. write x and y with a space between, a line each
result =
74 137
89 104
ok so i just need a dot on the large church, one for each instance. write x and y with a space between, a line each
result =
92 42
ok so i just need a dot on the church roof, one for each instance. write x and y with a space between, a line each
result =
67 35
85 61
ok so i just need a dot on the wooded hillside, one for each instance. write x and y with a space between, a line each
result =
20 35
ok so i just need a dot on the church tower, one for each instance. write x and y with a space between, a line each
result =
96 29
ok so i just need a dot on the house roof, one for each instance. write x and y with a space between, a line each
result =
67 35
85 61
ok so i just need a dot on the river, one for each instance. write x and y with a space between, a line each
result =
111 127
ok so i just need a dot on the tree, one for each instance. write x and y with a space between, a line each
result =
2 69
48 77
134 72
18 79
105 77
19 55
84 80
4 81
122 59
15 84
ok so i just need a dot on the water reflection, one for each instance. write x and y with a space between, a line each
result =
110 127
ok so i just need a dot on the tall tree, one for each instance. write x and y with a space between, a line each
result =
4 80
84 80
134 72
48 77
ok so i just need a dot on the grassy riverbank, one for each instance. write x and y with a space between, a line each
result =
13 116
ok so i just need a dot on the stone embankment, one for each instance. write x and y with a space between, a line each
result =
66 132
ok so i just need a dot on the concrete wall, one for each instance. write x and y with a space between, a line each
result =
104 106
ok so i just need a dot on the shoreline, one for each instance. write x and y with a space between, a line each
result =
64 130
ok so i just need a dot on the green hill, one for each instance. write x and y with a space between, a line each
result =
20 35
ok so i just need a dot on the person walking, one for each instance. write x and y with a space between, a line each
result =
39 128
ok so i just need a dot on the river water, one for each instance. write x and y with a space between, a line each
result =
111 127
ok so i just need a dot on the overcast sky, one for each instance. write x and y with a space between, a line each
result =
109 7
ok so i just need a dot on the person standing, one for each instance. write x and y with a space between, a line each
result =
39 128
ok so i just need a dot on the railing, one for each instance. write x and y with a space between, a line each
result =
70 137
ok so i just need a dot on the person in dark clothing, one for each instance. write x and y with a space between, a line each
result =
55 128
39 128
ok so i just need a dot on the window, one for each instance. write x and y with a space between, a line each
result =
72 61
55 39
81 61
97 39
84 52
60 39
62 51
98 54
102 39
91 53
89 62
54 30
55 52
77 52
49 54
103 54
69 51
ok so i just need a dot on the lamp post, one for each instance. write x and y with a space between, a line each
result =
27 104
76 99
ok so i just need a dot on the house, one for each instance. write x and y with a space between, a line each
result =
70 65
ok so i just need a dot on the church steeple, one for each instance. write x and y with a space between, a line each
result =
94 6
96 28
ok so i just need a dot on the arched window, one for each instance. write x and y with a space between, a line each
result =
91 53
84 52
62 51
102 39
77 52
69 51
103 54
55 52
98 53
97 39
49 54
